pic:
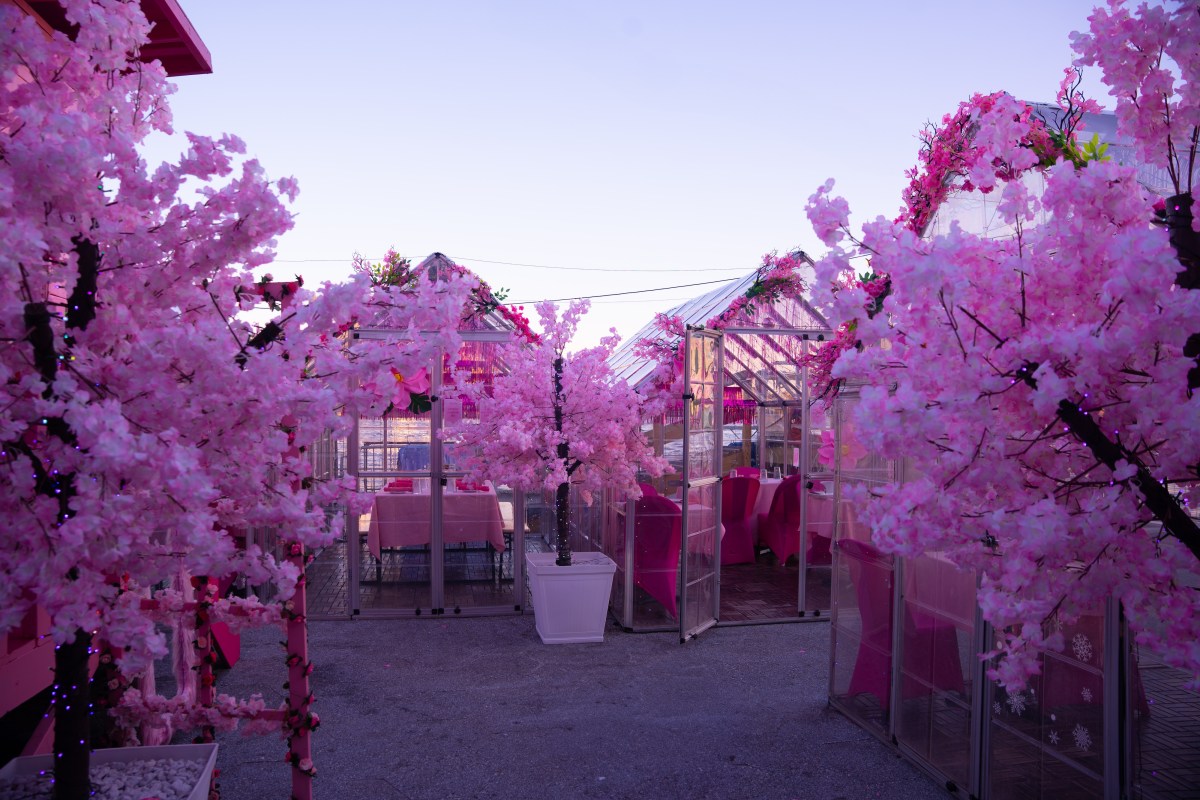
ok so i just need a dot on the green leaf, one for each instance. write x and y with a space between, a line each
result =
419 403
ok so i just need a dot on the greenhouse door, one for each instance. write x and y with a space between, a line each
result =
703 393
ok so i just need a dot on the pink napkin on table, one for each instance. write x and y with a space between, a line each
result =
468 486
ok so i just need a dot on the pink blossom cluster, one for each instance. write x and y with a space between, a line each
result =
991 357
143 420
536 431
1149 58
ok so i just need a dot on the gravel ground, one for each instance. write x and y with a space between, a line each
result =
470 708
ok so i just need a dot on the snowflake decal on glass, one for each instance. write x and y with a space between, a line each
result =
1086 694
1082 647
1016 703
1053 737
1083 739
997 708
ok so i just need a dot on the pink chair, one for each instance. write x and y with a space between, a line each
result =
779 528
648 490
872 578
930 645
745 472
657 530
737 512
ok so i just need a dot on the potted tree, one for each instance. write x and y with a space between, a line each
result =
557 420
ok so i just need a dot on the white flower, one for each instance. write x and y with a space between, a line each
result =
1053 737
1086 693
1016 703
997 708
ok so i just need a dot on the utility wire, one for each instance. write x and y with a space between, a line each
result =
514 264
615 294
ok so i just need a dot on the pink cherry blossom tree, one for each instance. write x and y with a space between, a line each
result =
142 420
1042 385
556 419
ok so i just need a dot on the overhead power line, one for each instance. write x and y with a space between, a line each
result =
616 294
515 264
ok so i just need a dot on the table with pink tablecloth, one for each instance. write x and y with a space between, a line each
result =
399 519
766 493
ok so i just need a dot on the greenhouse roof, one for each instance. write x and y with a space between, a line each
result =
784 314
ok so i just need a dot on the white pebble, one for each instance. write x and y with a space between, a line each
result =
165 779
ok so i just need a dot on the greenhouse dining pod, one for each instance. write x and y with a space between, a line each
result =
432 543
742 402
1104 719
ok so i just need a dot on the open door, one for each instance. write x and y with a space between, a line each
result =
699 588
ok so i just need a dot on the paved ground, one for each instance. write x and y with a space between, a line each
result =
472 708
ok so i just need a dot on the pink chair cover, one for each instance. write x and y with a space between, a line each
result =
648 490
930 645
779 528
872 578
657 530
738 496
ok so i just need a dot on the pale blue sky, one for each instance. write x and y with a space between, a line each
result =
616 135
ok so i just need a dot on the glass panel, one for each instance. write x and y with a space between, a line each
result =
326 575
658 536
617 534
476 545
702 533
478 524
701 507
862 632
1047 740
395 568
935 663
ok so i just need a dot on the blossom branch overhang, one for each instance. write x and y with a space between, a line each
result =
1119 459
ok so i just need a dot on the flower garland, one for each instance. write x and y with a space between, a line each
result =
210 712
951 160
224 713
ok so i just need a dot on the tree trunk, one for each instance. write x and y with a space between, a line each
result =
562 522
72 723
562 495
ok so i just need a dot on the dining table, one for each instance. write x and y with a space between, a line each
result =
762 503
401 519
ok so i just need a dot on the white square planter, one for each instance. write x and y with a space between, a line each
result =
570 604
207 753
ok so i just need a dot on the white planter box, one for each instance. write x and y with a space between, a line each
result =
207 753
570 604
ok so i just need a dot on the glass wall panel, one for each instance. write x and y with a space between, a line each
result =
658 535
1047 740
326 575
864 582
861 672
701 555
477 544
936 659
395 560
700 506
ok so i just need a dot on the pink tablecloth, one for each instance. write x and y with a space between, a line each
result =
400 519
766 493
